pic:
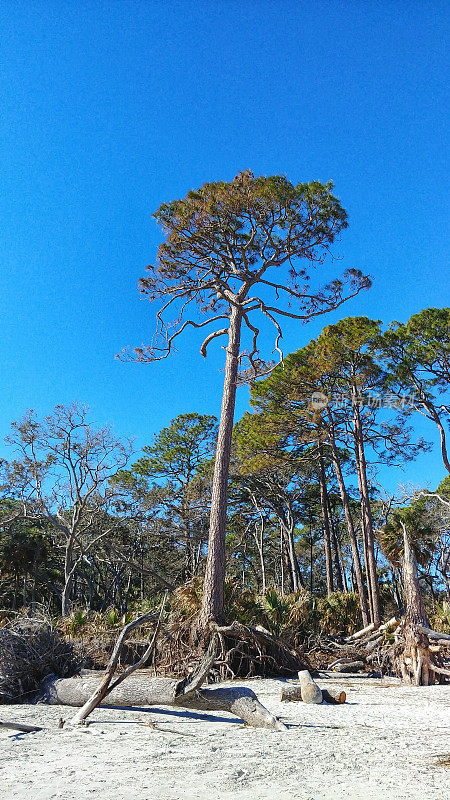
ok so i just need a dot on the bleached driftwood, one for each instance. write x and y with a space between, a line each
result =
292 693
310 691
20 728
140 690
360 634
107 684
347 665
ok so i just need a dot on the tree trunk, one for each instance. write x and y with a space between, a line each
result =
68 580
325 523
140 690
310 691
366 513
259 538
350 529
214 583
294 570
311 557
415 662
335 549
415 609
342 564
435 417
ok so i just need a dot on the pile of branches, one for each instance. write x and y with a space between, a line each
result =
31 649
414 653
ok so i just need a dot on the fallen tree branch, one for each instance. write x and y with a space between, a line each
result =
106 685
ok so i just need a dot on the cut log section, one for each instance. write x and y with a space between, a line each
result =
310 691
140 691
292 693
334 697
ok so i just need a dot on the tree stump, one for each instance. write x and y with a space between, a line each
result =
310 691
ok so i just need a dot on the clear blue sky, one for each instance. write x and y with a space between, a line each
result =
110 108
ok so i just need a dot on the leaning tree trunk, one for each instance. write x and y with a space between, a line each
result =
214 582
435 417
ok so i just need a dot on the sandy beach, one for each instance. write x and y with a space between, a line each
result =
385 742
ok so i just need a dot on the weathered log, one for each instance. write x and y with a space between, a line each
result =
393 621
311 692
15 726
349 666
292 693
334 697
361 633
141 691
444 637
373 643
370 630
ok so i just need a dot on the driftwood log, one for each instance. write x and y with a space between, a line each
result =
347 665
335 697
141 690
292 693
310 691
19 727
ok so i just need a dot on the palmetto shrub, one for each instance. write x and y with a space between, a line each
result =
339 613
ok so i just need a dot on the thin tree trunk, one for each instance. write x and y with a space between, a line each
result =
282 559
214 583
294 570
435 417
68 579
366 513
335 549
350 528
260 545
325 523
342 565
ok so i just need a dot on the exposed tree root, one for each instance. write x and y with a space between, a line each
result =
245 651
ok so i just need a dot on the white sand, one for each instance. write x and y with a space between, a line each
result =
383 744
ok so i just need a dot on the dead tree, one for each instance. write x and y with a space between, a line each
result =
141 690
107 684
